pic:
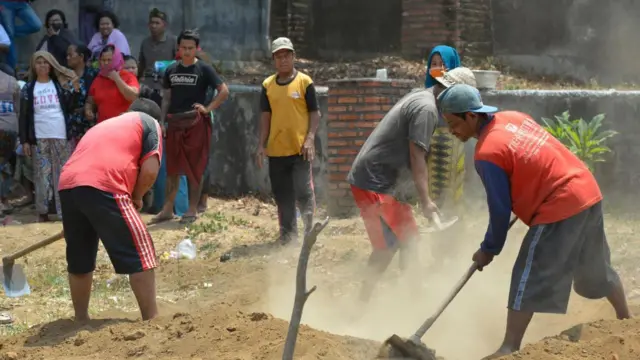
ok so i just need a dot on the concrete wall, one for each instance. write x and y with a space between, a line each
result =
235 140
622 172
579 39
235 136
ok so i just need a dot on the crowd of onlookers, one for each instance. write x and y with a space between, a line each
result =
70 86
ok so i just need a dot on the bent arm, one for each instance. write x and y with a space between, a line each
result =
223 94
128 91
498 188
419 172
147 176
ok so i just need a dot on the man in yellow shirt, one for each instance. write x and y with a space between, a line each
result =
288 125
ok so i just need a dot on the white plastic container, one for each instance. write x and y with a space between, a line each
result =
486 79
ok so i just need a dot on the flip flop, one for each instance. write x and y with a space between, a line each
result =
5 318
188 219
158 219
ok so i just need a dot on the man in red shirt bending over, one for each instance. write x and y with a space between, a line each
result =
101 189
526 170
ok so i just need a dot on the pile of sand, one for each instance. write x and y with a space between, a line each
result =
221 333
601 340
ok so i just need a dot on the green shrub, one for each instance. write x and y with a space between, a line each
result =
586 139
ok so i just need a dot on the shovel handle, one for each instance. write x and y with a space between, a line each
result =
452 295
36 246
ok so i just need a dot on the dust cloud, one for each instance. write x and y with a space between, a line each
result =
472 326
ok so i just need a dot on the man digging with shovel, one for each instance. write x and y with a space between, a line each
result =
101 190
398 145
526 170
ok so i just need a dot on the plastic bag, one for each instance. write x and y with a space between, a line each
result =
186 249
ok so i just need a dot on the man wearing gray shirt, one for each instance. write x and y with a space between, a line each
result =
392 159
159 46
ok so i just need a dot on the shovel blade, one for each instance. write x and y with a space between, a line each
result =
444 225
14 281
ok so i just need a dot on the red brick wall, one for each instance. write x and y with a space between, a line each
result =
355 106
463 24
427 23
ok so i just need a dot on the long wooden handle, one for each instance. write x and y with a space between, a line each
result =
452 295
20 253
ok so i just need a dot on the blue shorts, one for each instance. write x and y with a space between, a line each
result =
91 214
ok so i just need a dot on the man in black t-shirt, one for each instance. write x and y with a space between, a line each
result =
187 122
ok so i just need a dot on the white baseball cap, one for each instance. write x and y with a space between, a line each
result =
459 75
281 43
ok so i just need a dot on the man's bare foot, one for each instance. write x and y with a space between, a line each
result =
500 353
161 217
82 319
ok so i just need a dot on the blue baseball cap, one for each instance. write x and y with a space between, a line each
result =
461 98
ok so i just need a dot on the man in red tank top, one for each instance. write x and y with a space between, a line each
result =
527 171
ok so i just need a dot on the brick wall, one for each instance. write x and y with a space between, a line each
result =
289 18
355 106
427 23
475 28
463 24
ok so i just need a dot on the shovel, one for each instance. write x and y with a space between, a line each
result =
413 348
14 279
440 224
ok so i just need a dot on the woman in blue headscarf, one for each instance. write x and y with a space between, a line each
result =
445 162
442 58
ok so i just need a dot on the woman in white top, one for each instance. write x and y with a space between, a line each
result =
44 126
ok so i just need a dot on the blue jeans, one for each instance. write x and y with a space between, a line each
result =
30 24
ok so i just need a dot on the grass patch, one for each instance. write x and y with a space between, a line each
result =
209 247
13 329
213 223
49 278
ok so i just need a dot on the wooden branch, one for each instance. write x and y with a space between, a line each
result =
302 294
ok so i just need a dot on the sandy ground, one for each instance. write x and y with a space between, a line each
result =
213 309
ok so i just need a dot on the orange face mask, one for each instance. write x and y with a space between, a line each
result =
436 72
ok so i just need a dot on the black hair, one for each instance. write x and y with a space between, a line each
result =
51 13
483 116
83 50
146 106
129 57
106 49
461 115
189 35
108 14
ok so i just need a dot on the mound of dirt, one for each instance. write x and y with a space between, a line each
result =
605 340
221 333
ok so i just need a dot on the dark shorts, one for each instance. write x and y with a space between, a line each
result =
553 256
91 214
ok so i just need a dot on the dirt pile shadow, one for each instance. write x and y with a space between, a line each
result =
220 332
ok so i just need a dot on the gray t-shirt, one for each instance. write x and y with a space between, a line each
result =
383 163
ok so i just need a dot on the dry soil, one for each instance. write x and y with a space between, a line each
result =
234 309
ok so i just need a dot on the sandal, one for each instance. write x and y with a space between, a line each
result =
188 219
5 318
